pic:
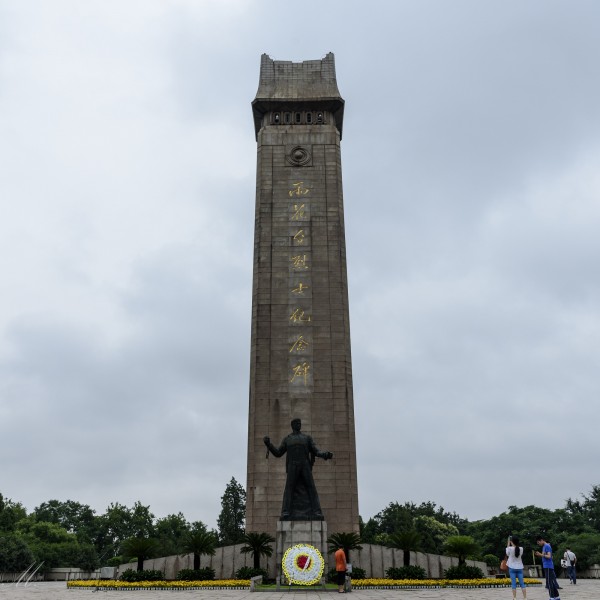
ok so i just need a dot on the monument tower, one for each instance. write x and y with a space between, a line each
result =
300 346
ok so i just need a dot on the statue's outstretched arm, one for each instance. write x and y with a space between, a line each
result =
324 455
272 449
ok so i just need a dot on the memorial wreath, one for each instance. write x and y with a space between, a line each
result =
303 564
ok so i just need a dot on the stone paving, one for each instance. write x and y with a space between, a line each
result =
586 589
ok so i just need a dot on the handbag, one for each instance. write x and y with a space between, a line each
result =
503 565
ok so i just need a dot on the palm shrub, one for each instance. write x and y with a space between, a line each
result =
461 546
257 544
346 540
407 541
140 548
199 541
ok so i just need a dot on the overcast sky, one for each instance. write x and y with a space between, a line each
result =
471 164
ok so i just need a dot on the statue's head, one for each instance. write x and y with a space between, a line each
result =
296 424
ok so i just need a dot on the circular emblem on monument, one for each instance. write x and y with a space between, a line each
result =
303 564
298 156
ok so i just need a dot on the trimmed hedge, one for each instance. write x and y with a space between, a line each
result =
408 572
147 575
205 574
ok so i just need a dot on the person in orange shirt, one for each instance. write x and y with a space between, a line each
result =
340 568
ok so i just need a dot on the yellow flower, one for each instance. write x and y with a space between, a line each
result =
115 584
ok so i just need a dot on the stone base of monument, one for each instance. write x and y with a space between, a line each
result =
290 533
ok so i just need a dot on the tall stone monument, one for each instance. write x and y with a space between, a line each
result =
300 355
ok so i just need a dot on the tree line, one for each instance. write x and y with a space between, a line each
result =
71 534
427 527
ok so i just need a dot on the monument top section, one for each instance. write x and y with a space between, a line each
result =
286 85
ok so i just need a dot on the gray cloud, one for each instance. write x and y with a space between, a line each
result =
470 151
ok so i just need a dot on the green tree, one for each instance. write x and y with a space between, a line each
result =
403 517
368 530
461 546
407 541
170 534
345 540
86 557
588 509
392 518
586 547
15 555
257 544
10 514
119 523
433 533
139 548
233 513
526 523
42 531
55 546
199 541
76 518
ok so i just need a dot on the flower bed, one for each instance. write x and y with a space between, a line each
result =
244 584
112 584
437 583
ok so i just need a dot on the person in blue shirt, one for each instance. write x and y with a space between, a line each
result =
548 567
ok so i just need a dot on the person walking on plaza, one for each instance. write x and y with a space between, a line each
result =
570 560
340 568
548 567
514 560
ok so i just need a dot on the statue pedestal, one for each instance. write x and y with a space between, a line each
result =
290 533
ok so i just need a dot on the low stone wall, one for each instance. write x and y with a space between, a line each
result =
592 573
375 560
64 574
10 576
68 574
226 561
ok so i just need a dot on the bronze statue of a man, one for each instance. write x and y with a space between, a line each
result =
300 498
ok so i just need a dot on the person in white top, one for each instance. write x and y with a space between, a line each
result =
514 560
570 560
